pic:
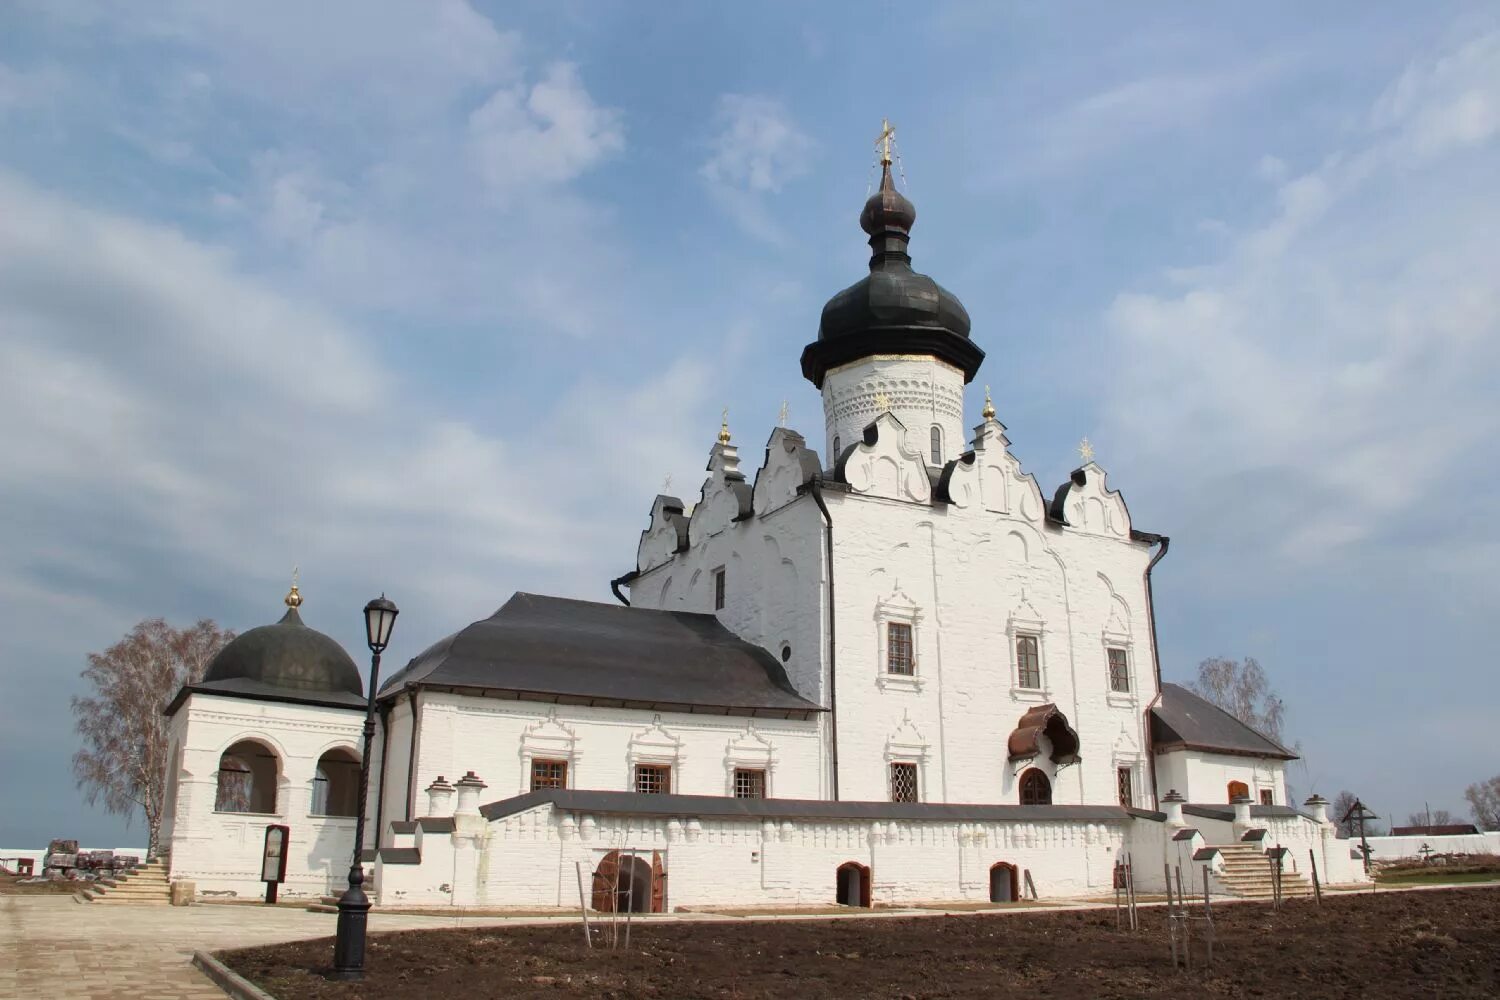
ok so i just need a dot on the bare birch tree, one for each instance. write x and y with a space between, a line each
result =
1242 690
1431 817
1484 802
123 760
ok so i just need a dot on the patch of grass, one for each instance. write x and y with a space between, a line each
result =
1435 876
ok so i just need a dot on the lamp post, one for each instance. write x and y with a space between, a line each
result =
354 906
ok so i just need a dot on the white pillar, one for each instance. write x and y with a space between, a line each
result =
440 798
1242 822
1172 804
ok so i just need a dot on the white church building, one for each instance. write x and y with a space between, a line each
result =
896 671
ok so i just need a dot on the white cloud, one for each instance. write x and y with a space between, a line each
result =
756 149
549 133
1333 371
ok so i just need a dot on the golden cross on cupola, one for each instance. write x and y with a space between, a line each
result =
1085 451
666 485
988 412
724 427
781 418
293 598
883 143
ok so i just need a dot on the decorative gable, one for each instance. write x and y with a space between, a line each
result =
666 535
1086 503
789 465
990 477
886 464
725 497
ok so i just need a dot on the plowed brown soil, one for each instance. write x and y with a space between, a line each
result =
1443 943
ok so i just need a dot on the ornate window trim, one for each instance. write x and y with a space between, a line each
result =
900 610
1136 765
1026 620
1118 640
751 751
908 746
653 745
549 739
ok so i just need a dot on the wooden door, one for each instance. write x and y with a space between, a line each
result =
606 882
658 884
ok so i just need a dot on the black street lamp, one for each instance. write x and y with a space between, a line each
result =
354 905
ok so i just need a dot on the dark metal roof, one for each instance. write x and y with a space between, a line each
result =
635 804
1213 810
1036 721
583 652
1182 720
893 309
242 687
289 656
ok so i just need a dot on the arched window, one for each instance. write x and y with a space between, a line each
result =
1237 789
836 448
937 445
247 779
1004 883
336 784
1036 790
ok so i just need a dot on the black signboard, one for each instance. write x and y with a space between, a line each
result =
273 859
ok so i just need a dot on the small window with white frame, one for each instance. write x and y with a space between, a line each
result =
719 589
1125 785
749 783
1028 661
937 445
653 779
904 782
900 658
1119 669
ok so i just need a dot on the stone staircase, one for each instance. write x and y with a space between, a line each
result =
1247 874
146 884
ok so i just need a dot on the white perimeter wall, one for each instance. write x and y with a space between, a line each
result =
1393 848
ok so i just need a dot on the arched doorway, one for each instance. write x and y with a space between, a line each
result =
1005 886
853 884
1036 789
627 883
336 784
1238 788
246 779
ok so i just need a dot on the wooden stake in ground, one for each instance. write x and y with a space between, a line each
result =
583 909
1317 888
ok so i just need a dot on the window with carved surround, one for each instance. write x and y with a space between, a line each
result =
1125 785
653 779
1267 797
548 773
898 624
749 783
899 656
1028 662
1026 634
904 782
1119 670
1036 788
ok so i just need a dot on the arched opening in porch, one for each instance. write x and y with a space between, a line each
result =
1238 788
335 790
1005 885
853 881
623 884
246 780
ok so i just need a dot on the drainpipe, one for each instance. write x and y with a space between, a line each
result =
385 746
1163 543
614 586
815 487
411 759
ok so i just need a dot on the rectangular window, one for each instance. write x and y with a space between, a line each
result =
1119 671
904 783
1028 663
653 779
1265 797
548 773
898 656
1125 783
718 590
749 783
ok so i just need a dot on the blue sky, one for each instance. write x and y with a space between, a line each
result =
428 297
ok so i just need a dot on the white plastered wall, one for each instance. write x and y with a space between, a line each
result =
221 852
921 391
1204 777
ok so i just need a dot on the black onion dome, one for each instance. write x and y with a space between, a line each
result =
893 310
287 655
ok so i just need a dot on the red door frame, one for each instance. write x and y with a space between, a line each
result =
865 881
1015 880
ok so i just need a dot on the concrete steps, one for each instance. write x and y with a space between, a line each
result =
1247 874
148 884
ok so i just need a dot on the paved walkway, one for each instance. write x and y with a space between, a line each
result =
52 948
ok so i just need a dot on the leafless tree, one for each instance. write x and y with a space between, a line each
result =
123 760
1484 803
1431 817
1242 690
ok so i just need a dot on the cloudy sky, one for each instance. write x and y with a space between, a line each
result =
428 297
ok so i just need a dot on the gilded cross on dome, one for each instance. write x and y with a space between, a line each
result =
883 142
782 417
724 427
666 485
1085 451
